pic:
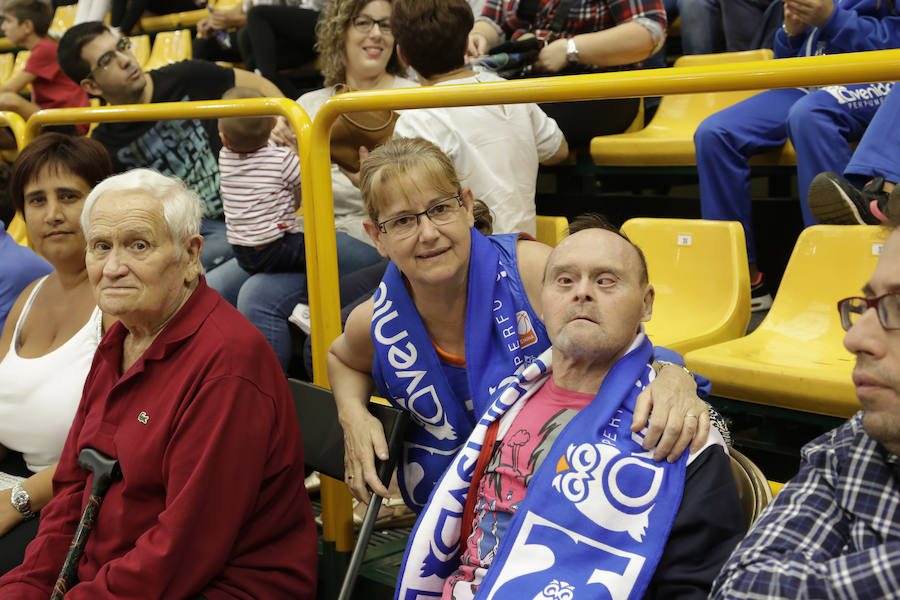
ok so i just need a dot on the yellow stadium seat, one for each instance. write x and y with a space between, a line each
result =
775 487
21 58
795 359
668 140
63 19
699 271
551 230
7 59
18 231
170 47
140 47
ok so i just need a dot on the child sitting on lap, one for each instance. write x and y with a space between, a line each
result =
258 184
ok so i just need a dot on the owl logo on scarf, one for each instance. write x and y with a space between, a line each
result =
557 590
615 491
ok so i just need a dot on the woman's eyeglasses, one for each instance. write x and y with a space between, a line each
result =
442 212
364 24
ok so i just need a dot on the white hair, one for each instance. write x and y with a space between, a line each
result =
182 208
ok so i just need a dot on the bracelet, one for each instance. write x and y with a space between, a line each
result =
663 363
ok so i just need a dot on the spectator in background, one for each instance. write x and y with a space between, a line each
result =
497 148
125 14
102 63
709 26
53 329
282 37
866 196
833 531
596 35
266 36
188 397
819 122
89 10
25 23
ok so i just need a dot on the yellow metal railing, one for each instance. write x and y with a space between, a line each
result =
313 146
862 67
25 132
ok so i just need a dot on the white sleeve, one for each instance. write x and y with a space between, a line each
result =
548 137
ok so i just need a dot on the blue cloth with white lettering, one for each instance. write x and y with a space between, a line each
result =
597 514
408 372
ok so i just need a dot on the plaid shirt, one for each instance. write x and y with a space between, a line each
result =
585 16
832 532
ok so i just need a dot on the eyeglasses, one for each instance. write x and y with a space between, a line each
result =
442 212
123 46
364 24
887 307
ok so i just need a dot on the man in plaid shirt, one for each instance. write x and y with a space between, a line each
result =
834 530
604 33
593 36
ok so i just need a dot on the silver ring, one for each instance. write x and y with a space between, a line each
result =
349 476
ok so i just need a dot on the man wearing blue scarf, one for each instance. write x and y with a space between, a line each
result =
552 496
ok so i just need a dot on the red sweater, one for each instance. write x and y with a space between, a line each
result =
212 499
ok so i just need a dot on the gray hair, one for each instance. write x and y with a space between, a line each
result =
181 206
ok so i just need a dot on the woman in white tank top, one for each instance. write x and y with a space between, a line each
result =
54 327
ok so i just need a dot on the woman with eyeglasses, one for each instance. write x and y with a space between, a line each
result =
451 299
356 50
51 333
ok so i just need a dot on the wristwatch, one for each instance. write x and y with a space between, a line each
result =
21 501
571 51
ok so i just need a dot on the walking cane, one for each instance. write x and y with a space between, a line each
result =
105 470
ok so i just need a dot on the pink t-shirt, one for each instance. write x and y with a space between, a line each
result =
514 461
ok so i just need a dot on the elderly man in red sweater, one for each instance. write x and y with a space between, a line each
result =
190 399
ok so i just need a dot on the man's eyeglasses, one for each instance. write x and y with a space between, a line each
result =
364 24
442 212
887 306
123 46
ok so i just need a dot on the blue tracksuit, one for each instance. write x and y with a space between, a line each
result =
818 121
878 152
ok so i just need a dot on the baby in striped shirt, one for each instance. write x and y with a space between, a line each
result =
260 186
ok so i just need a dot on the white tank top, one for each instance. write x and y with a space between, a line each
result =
39 396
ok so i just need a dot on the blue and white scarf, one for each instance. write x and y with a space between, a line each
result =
409 372
597 513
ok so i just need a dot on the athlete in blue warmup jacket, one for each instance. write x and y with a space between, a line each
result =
818 121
